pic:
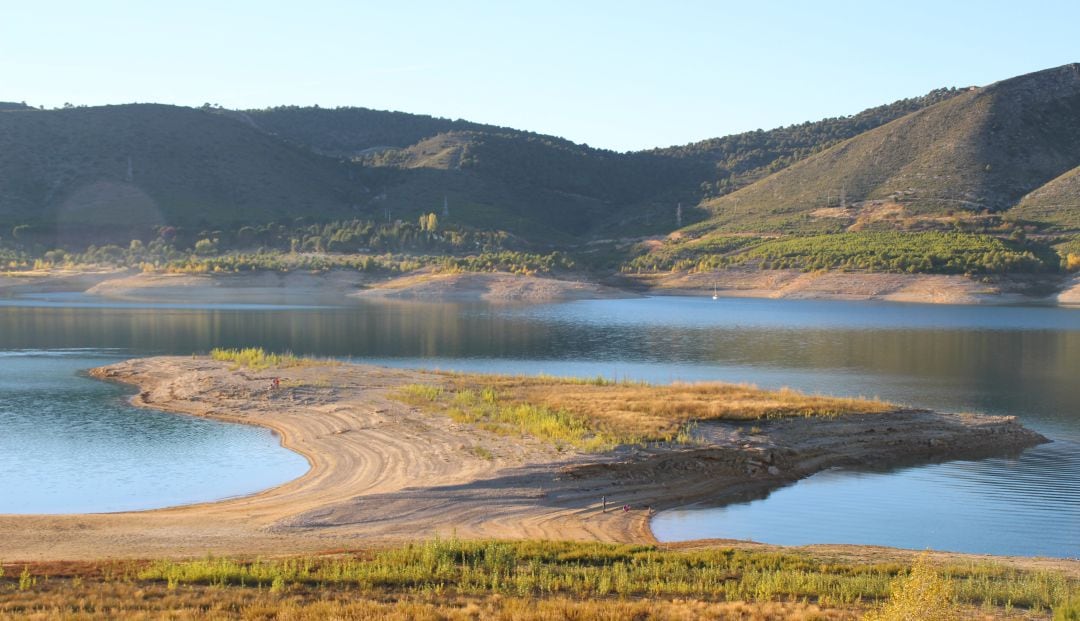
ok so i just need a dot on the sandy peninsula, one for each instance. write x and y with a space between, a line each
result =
382 471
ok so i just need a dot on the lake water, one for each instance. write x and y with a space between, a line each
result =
71 444
1005 360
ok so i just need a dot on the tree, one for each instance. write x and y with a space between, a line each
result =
205 247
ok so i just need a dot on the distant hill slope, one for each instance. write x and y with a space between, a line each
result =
540 186
983 149
80 170
66 173
580 190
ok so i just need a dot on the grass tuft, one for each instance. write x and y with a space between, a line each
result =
258 358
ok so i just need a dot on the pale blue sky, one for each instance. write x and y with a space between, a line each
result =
620 75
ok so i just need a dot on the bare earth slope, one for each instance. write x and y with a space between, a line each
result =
383 471
908 288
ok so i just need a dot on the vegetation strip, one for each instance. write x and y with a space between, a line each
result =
549 570
599 414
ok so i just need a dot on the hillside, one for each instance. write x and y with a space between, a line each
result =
1056 204
981 150
512 176
741 159
115 171
536 185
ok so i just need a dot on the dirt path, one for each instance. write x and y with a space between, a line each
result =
382 471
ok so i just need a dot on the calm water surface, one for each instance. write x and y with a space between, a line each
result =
71 444
1019 361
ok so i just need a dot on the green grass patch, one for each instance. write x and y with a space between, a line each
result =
258 358
897 252
700 254
485 409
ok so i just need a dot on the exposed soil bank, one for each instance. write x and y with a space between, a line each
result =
56 280
1070 293
345 286
917 288
492 287
382 471
331 287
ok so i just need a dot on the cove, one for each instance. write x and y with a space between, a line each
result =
72 444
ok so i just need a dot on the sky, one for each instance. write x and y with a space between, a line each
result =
619 75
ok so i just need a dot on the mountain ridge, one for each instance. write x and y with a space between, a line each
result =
924 162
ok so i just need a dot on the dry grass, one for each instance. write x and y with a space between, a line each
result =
130 602
596 414
453 579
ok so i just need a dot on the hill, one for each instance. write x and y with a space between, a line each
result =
518 177
75 176
112 172
540 186
983 149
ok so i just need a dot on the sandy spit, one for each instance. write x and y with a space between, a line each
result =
384 472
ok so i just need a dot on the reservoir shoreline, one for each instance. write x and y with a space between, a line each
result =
345 286
382 471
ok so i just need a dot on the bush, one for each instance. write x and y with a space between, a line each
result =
922 595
